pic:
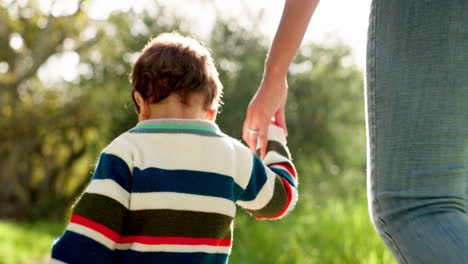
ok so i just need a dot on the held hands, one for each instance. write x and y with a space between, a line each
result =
270 98
266 106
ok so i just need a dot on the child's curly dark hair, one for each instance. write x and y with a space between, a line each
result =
172 63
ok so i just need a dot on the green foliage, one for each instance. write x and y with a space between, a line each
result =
62 128
339 232
20 242
325 109
46 131
239 56
325 114
108 81
52 132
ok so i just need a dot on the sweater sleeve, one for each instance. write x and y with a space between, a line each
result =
98 216
271 191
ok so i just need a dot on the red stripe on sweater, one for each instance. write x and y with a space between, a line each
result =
150 240
109 233
288 203
288 167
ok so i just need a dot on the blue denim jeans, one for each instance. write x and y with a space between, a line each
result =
417 125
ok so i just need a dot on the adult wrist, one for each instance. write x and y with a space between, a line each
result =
273 72
274 80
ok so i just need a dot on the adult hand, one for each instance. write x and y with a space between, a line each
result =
270 98
268 103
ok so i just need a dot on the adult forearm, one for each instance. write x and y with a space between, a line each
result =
271 96
288 37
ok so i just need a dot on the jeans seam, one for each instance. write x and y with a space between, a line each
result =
373 127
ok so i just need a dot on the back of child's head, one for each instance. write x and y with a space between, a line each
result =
174 64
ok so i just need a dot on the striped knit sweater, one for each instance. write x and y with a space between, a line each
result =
166 192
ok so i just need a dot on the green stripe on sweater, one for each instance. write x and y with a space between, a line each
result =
102 209
278 148
155 222
277 202
162 126
166 222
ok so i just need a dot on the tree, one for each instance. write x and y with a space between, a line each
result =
324 111
52 132
43 134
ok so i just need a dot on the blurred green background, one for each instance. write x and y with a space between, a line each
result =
52 130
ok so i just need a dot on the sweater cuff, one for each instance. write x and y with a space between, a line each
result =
277 151
276 133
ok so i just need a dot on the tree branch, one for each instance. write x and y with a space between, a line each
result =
43 49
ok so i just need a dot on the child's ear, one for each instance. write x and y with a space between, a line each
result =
211 114
143 106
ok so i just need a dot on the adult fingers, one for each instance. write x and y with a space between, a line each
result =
263 138
249 137
280 120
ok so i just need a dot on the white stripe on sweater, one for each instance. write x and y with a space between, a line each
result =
123 149
244 164
182 201
174 248
98 237
190 152
264 195
88 232
162 200
276 133
274 157
110 189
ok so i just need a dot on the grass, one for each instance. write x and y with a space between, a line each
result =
20 242
337 233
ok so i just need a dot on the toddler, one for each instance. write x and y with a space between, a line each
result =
166 191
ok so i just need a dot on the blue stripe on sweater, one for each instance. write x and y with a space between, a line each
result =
285 175
185 181
258 178
113 167
131 256
76 248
